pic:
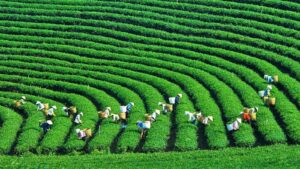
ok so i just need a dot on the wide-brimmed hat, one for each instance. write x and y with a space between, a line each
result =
157 111
269 87
108 108
132 103
23 97
38 102
49 122
77 131
180 95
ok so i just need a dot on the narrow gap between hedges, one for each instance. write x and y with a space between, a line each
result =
281 124
173 130
24 115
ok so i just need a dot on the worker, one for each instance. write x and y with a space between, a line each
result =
191 117
204 120
22 100
207 120
177 98
104 114
246 114
267 91
81 134
235 125
253 112
143 127
154 115
115 117
67 110
40 106
77 119
166 108
268 78
46 125
50 112
129 106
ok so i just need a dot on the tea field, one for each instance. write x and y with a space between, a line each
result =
94 54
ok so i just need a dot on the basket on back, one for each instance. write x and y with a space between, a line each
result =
122 113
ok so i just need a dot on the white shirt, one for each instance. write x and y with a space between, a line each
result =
41 106
106 112
148 124
153 115
51 112
77 119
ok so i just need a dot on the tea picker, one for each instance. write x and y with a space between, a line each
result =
50 113
271 79
104 114
129 106
46 126
143 127
177 98
77 119
20 102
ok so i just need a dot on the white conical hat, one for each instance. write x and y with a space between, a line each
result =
49 122
256 108
38 102
160 103
132 103
77 131
81 113
23 97
265 76
108 108
180 95
269 87
210 118
54 107
157 111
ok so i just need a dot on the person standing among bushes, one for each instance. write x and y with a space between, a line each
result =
20 102
77 119
143 127
40 105
81 134
253 112
177 98
50 112
129 106
46 126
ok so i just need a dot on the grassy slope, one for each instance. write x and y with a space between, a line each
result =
277 156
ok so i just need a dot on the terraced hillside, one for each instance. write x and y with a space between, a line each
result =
94 54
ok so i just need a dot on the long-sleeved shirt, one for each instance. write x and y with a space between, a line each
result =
51 112
77 119
41 106
129 107
46 126
269 79
177 98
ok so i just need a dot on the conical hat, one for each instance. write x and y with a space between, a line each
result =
49 122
